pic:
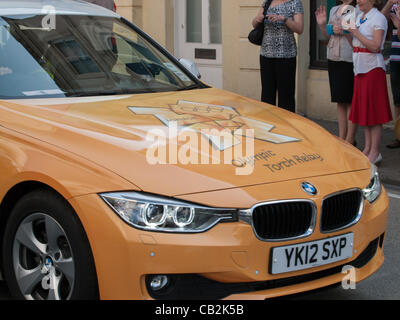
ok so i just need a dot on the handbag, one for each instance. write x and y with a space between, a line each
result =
256 35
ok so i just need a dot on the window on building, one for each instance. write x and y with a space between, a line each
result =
318 43
203 21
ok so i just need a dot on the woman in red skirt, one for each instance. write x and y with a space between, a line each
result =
370 107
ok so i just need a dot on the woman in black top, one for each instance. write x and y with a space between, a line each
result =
279 50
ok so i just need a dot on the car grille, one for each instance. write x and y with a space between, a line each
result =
341 210
284 220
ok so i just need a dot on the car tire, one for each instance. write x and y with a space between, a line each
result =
46 254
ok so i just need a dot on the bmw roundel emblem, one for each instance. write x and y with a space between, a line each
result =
309 188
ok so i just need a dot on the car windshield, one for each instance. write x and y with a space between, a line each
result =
82 56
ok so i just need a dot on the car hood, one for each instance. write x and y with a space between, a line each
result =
171 144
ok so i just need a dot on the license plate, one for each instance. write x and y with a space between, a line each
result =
311 254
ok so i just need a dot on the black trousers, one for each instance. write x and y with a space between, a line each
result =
395 80
279 75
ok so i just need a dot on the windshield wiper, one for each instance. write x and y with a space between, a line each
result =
191 87
91 94
107 93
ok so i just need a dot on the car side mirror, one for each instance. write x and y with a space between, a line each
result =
191 66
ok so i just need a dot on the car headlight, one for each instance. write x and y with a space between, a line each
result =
155 213
374 189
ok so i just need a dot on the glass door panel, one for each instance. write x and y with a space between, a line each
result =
215 21
194 32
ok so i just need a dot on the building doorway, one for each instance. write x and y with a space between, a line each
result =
198 37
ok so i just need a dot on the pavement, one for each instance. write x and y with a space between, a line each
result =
389 169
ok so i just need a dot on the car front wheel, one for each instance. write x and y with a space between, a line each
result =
46 254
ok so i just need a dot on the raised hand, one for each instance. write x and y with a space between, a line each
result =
320 15
396 19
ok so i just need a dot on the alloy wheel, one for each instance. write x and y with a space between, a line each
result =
42 258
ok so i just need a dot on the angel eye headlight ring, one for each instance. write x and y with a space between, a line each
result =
162 214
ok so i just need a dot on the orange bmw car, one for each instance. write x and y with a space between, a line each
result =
125 177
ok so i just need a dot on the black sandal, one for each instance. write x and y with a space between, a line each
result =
394 145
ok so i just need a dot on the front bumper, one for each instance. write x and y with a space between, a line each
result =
198 287
227 261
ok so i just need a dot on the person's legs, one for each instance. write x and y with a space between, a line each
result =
342 119
395 143
286 83
351 127
341 83
397 112
376 134
367 147
268 80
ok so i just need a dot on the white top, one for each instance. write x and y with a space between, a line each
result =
363 61
339 48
